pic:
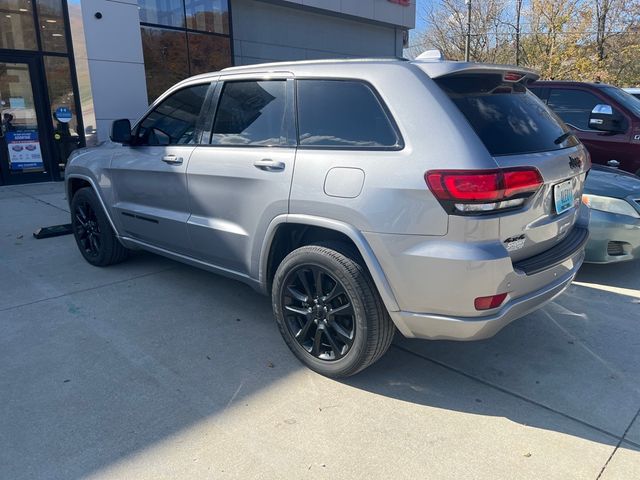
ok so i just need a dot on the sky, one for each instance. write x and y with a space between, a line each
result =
420 23
420 6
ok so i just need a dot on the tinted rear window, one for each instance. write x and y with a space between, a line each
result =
508 118
342 114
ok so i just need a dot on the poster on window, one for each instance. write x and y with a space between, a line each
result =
24 150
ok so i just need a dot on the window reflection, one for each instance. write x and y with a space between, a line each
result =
250 113
61 98
197 44
208 15
51 18
17 30
162 12
58 76
165 58
208 53
173 122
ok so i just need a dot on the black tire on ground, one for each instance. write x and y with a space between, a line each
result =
348 343
94 236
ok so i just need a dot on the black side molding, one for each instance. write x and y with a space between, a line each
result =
573 242
139 217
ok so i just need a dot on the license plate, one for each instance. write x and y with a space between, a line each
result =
563 196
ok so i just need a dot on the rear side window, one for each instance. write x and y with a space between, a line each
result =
251 113
573 106
342 114
508 118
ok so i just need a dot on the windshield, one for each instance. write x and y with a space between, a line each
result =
508 118
629 101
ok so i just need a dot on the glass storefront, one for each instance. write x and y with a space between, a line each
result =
181 38
38 97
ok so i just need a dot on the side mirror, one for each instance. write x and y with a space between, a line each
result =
605 119
121 131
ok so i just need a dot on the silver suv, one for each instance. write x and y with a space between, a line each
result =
438 198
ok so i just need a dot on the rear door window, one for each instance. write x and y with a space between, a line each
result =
573 106
343 114
251 113
508 118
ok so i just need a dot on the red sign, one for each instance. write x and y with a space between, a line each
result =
404 3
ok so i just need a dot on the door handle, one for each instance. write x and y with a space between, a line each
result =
172 160
269 165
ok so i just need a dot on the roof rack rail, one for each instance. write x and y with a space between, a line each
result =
318 61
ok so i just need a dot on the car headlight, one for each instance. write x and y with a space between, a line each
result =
609 204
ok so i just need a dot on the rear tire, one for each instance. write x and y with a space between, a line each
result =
94 236
329 311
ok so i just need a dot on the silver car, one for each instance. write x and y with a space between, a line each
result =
441 199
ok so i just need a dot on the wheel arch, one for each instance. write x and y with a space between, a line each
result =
75 182
288 232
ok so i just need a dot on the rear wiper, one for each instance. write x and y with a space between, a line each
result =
562 138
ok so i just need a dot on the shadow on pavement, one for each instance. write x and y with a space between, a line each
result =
95 376
622 275
577 358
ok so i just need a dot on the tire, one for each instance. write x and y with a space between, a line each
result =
349 341
94 236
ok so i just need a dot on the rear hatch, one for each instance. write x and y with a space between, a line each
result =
520 132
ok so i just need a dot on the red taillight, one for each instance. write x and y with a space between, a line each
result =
512 76
521 181
483 185
487 303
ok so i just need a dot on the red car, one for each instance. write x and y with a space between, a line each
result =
605 118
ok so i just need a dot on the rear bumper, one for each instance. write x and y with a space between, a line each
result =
436 282
440 327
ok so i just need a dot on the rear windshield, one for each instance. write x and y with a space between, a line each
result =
508 118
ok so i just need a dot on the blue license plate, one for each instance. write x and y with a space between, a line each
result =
563 196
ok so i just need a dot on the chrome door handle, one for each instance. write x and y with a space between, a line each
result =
269 165
172 160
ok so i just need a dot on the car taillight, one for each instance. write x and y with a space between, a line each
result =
474 191
512 77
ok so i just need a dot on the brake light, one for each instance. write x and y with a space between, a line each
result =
484 190
487 303
512 77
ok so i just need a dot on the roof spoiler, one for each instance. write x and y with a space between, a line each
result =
510 73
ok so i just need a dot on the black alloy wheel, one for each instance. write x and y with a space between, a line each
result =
87 229
94 235
328 310
318 312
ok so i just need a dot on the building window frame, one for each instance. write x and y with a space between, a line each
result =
187 31
39 55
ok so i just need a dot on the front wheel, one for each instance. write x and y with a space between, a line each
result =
94 236
329 311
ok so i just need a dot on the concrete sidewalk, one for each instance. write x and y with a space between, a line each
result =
152 369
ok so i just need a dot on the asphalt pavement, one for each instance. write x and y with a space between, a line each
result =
155 370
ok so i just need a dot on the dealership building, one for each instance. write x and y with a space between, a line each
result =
68 68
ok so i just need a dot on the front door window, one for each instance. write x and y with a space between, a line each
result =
20 143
